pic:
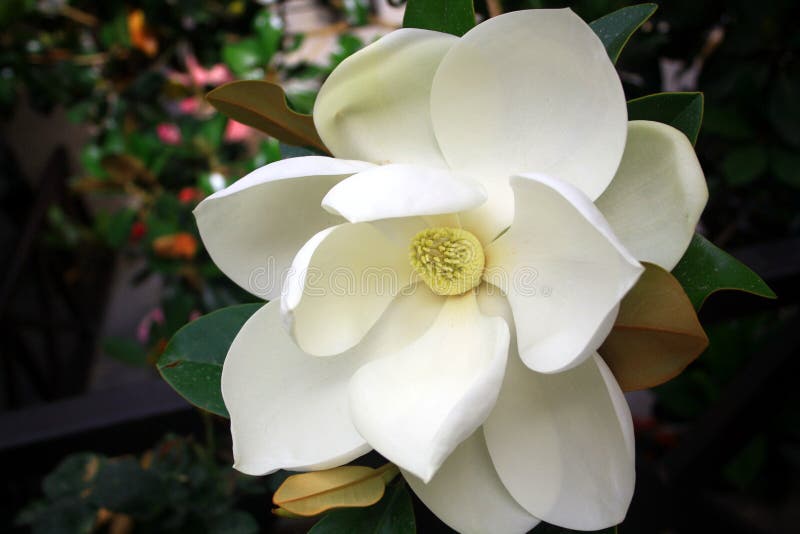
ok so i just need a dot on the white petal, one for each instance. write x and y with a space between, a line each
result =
531 91
253 228
340 283
417 404
376 105
655 200
468 496
290 410
563 270
563 444
494 216
400 190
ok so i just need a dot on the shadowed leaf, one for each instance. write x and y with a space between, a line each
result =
683 111
706 269
393 514
615 29
262 105
656 335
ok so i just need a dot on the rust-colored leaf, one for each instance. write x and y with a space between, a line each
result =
262 105
656 335
349 486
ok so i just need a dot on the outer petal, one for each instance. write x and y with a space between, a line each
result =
340 283
417 404
563 444
400 190
249 231
563 270
531 91
655 200
376 105
467 494
290 410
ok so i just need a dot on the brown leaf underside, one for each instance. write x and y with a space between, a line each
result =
656 335
262 105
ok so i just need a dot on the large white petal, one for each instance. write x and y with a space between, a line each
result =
563 444
253 228
376 105
468 496
290 410
531 91
401 190
656 198
563 270
340 283
417 404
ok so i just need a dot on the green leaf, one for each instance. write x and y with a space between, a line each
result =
706 269
615 29
393 514
125 350
243 56
262 105
123 486
115 228
192 361
744 165
683 111
72 476
448 16
269 28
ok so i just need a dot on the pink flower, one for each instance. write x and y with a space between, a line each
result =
189 105
168 133
201 76
155 316
236 132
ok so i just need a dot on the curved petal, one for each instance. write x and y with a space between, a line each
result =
563 444
468 496
275 422
417 404
340 283
531 91
656 198
248 230
376 105
563 270
399 190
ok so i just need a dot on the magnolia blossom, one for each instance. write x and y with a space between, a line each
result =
437 292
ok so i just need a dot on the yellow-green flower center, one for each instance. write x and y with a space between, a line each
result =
450 260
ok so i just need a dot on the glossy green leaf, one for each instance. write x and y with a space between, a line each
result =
393 514
706 269
683 111
615 29
244 56
448 16
262 105
192 361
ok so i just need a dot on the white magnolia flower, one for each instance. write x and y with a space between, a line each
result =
507 155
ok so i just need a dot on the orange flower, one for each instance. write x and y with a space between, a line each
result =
179 246
141 36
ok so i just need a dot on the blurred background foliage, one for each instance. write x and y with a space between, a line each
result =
133 75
